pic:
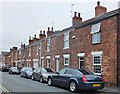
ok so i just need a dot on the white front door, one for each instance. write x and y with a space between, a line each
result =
35 64
48 63
57 64
42 63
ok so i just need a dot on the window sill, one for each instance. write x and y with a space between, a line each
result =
95 43
97 73
66 48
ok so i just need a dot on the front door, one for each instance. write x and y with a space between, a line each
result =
57 64
81 62
42 63
48 63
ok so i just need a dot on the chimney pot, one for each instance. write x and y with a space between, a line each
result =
48 28
30 38
35 36
75 14
52 29
44 32
40 31
79 15
98 3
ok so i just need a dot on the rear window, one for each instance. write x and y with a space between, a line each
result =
85 72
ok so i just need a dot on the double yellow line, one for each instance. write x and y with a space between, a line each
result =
2 89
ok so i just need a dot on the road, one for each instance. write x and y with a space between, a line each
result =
15 83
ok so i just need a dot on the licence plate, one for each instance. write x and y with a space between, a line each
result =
96 85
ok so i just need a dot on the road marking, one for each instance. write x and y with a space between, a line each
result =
4 90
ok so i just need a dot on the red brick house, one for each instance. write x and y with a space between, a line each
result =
93 44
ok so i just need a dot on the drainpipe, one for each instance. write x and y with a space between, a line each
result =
117 22
40 52
25 56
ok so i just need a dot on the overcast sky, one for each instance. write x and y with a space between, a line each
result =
20 19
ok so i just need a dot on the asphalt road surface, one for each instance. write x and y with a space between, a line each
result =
16 84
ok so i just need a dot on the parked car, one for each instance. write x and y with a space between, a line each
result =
26 72
14 70
76 79
5 67
42 74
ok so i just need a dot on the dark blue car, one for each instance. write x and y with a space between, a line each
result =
76 79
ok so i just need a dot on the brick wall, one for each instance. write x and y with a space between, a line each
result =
82 43
118 55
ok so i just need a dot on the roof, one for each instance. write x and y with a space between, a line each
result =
82 24
98 18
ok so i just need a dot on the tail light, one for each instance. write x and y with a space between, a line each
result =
84 78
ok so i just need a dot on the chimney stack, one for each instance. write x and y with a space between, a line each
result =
22 46
49 33
42 35
35 36
100 9
14 48
76 19
30 40
10 49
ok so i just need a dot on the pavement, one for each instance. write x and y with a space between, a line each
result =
110 90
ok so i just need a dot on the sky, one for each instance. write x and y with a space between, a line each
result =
20 19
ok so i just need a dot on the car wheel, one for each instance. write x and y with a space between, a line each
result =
73 86
41 79
21 75
33 78
49 81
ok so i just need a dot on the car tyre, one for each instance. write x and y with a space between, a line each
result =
73 86
21 75
32 78
41 79
50 81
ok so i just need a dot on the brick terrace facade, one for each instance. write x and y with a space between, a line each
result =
93 45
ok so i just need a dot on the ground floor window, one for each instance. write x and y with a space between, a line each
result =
66 62
35 64
97 64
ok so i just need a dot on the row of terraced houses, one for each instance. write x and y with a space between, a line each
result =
93 44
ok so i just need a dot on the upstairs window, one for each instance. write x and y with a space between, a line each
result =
37 49
48 44
30 51
66 60
66 40
95 32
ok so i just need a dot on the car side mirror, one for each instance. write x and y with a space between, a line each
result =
57 73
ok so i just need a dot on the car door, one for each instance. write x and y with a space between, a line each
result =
35 73
65 78
38 74
57 79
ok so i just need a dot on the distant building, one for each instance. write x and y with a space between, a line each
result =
2 57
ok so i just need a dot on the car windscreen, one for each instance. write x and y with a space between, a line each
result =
14 68
85 72
48 70
29 69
